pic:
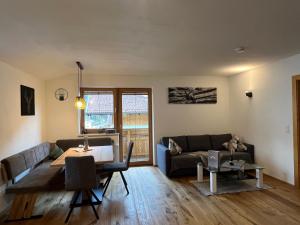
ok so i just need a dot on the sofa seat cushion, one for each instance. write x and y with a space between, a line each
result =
180 140
199 143
187 160
39 179
217 141
111 167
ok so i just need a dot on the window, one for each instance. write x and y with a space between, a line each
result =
99 112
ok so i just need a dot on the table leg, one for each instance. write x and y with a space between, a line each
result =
259 178
213 182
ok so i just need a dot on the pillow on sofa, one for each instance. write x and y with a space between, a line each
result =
174 148
55 152
235 145
180 140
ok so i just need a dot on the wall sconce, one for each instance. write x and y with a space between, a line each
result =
249 94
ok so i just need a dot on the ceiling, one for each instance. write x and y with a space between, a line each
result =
146 37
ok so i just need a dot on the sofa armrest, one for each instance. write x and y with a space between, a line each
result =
250 149
163 159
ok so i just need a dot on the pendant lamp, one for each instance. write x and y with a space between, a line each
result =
79 100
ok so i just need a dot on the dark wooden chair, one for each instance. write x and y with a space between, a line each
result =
80 176
120 167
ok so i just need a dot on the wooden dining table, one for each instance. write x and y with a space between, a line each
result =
101 154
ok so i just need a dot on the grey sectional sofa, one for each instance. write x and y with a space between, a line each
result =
193 147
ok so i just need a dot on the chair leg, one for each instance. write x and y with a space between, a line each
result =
91 203
74 200
125 182
95 196
107 184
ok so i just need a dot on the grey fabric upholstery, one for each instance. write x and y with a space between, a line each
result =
40 153
30 157
116 167
119 166
39 179
65 144
170 165
80 173
199 143
163 158
185 160
14 165
41 176
180 140
218 140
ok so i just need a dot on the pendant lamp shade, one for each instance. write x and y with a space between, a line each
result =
79 100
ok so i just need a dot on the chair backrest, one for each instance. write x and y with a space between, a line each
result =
80 173
129 153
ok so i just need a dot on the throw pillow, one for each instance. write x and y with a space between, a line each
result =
235 144
175 149
55 152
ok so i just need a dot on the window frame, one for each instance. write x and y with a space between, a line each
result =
82 116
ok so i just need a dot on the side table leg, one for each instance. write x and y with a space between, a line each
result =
199 172
213 182
259 178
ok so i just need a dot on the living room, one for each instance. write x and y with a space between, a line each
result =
131 48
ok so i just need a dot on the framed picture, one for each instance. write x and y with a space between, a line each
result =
189 95
27 101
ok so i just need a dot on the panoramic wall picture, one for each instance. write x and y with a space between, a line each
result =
189 95
27 101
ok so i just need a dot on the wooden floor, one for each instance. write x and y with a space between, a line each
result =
155 199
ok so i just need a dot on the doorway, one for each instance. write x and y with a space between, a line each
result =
296 127
128 111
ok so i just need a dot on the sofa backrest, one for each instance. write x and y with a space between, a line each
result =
16 164
65 144
199 143
193 143
218 140
180 140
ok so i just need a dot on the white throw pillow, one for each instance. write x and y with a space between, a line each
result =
174 148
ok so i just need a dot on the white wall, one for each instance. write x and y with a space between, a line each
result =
19 132
266 119
169 119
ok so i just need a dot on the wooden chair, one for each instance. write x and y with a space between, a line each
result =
116 167
80 176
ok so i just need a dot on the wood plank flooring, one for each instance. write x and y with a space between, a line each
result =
156 200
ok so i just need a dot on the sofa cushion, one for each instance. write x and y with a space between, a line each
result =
185 160
55 152
199 143
39 179
40 153
30 158
14 165
218 140
180 140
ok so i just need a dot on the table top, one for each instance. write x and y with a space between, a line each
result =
247 166
102 154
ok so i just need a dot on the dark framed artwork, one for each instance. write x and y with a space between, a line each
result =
190 95
27 101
